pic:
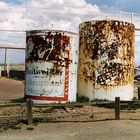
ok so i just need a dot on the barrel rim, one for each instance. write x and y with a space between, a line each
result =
90 21
48 30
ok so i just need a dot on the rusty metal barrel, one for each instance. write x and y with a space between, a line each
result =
106 60
51 66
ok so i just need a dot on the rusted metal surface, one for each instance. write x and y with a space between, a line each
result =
106 60
51 65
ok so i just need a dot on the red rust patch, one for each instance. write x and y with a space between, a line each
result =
106 53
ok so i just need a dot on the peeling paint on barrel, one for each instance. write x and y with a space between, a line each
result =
51 66
106 60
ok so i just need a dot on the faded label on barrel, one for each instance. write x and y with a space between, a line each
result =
106 53
47 64
41 80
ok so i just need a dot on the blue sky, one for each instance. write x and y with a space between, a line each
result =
102 3
123 5
13 1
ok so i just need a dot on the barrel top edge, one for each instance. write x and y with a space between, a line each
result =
49 30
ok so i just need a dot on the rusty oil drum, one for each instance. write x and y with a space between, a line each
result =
106 60
51 66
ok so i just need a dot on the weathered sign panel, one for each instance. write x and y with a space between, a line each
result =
51 66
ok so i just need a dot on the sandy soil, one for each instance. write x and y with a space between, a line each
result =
102 130
101 127
11 89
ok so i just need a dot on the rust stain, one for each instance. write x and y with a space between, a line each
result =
106 55
47 47
53 48
50 47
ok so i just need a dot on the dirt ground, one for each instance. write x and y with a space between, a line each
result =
97 126
11 89
101 130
